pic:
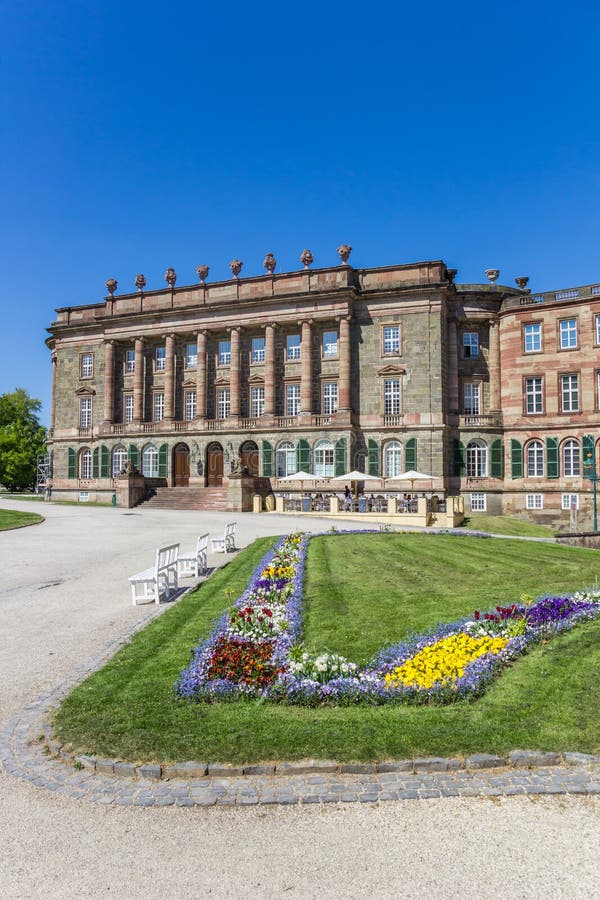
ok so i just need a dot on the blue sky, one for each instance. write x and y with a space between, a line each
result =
133 138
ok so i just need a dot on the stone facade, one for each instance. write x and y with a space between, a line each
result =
327 370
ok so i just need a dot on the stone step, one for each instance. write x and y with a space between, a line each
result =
210 498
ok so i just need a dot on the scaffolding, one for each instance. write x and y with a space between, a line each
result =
43 477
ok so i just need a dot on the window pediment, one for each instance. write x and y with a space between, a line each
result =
221 381
389 371
85 392
256 379
189 383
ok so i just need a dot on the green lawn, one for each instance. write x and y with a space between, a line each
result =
546 700
10 518
506 525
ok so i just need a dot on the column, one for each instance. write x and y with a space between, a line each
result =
345 365
138 381
234 373
306 368
169 377
270 370
201 376
453 407
53 406
109 381
494 365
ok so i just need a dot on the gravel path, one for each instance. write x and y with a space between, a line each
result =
64 597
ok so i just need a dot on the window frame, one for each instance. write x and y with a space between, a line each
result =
395 349
257 401
391 399
561 393
160 358
597 323
567 506
329 398
470 344
326 351
257 355
85 418
190 407
530 503
560 324
292 395
128 408
526 395
538 460
286 450
223 402
393 450
476 459
121 452
223 355
481 502
538 326
324 468
158 406
82 374
573 447
129 361
475 387
149 452
191 359
85 464
293 352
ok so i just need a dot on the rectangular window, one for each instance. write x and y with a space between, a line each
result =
258 349
191 356
391 339
86 365
472 407
391 396
292 400
85 412
127 408
84 496
224 353
330 343
533 396
532 337
597 320
567 330
160 358
257 402
478 502
470 345
129 361
330 398
569 501
292 346
223 403
534 501
569 392
159 407
189 402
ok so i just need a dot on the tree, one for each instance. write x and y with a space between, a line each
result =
22 439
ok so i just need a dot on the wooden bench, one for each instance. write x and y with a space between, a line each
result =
160 579
226 543
195 562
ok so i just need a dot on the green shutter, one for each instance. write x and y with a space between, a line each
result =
133 455
267 459
516 459
552 457
373 449
340 457
95 462
589 456
459 458
163 460
410 454
497 459
71 463
303 455
104 461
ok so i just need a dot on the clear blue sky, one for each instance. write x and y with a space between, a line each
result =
140 136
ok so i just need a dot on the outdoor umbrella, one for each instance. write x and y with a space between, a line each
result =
300 477
411 476
354 477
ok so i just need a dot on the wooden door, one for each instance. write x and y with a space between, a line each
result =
182 466
249 455
214 465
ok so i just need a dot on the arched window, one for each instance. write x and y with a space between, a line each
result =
150 462
535 459
324 459
119 459
571 457
285 459
85 464
476 459
393 459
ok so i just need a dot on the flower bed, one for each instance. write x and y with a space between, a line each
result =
255 649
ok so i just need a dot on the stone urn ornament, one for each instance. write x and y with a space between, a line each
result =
307 259
522 282
269 263
202 273
140 282
344 251
236 267
492 275
111 285
451 275
171 277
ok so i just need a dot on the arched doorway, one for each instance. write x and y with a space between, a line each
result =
214 465
181 465
249 456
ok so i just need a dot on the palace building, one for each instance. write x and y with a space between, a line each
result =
216 391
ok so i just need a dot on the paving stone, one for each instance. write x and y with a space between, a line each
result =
409 795
398 765
125 769
533 758
436 764
358 768
220 769
580 759
484 761
147 771
105 766
262 769
185 770
306 767
389 795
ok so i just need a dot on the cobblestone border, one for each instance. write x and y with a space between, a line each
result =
28 751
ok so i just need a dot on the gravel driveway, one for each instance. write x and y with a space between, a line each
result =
64 595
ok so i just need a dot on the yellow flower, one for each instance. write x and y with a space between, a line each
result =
443 662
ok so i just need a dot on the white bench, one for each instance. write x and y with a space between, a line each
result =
227 542
160 579
195 562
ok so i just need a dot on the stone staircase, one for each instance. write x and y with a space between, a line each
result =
204 498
